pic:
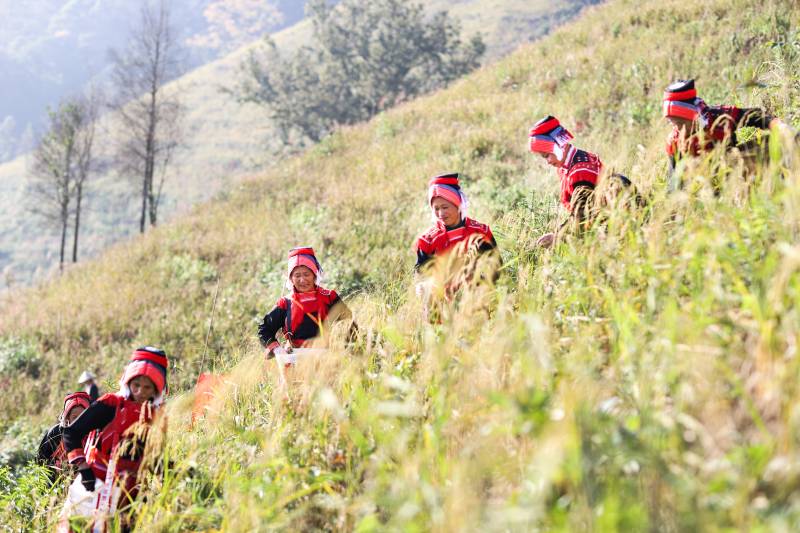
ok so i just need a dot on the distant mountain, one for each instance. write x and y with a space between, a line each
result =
51 48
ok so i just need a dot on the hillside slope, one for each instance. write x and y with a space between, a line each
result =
224 140
640 378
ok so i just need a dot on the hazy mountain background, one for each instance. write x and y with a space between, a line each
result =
50 49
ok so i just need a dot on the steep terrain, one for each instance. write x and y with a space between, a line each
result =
223 141
640 378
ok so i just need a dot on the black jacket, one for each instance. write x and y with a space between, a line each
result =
49 444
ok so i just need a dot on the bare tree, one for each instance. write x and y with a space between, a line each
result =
149 116
90 106
61 164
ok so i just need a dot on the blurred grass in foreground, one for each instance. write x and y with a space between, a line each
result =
641 378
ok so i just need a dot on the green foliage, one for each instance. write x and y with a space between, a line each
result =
639 377
366 56
24 497
228 141
18 444
185 269
18 356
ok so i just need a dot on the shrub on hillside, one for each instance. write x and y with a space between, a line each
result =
185 268
24 496
19 356
365 57
18 444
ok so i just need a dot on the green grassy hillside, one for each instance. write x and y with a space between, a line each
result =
640 378
224 141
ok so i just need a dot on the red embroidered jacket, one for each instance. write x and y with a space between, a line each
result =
299 316
440 239
721 123
580 169
112 415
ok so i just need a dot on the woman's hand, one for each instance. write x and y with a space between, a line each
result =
546 240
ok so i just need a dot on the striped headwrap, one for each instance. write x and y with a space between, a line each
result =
548 136
446 186
681 101
71 401
151 363
303 256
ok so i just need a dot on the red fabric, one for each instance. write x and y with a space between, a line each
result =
307 250
721 123
579 167
315 304
144 355
438 240
99 449
546 131
144 368
302 260
444 192
683 95
681 110
76 399
544 127
446 179
60 457
302 256
75 456
542 144
204 392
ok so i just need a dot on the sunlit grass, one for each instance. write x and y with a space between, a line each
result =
642 377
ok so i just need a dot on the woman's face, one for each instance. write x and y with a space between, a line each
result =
74 413
303 279
683 125
551 159
445 211
142 389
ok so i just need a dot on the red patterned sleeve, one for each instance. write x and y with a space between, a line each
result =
583 174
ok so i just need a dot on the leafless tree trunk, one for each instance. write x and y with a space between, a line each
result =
61 164
149 116
85 142
52 172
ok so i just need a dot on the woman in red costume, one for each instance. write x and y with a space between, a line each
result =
698 128
454 236
300 314
51 449
452 228
578 170
118 424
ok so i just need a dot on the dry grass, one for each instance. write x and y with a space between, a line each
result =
640 378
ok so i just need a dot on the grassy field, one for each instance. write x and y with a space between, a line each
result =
641 378
224 141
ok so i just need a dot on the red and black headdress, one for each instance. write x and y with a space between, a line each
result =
548 136
71 401
303 256
681 101
446 186
150 362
